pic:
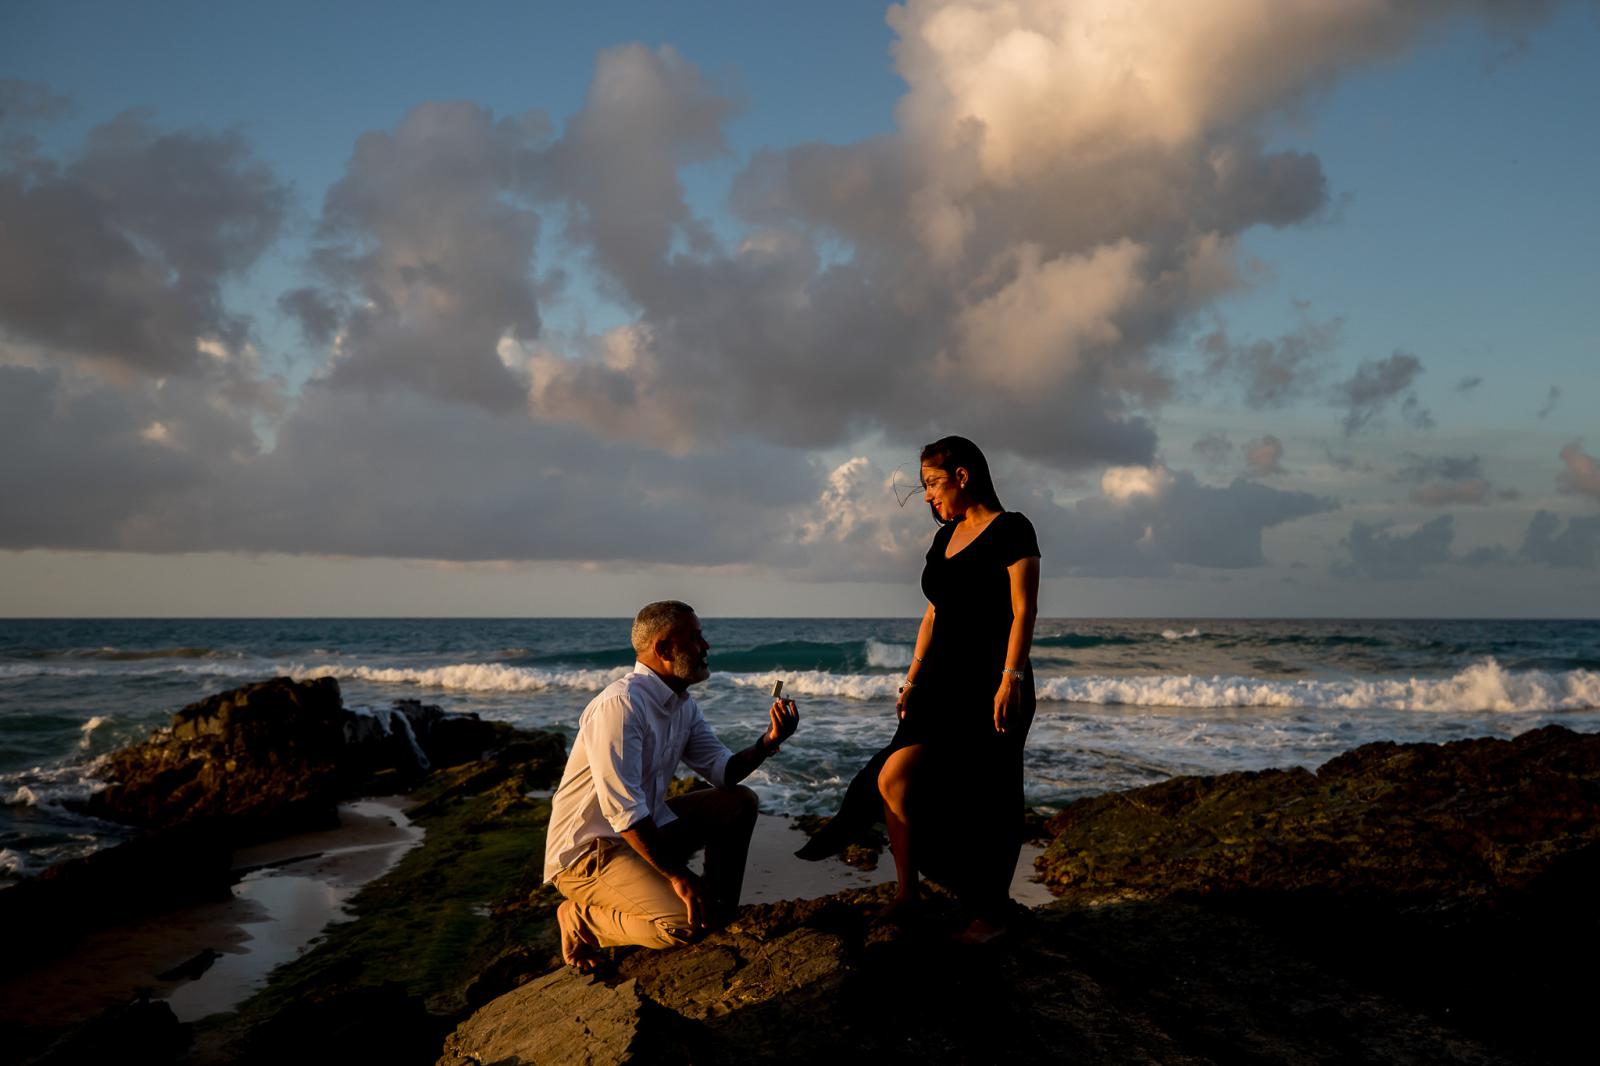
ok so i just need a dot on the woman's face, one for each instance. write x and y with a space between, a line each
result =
943 491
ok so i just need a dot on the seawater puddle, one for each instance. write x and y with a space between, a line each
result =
294 890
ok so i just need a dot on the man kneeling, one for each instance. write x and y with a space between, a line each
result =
617 848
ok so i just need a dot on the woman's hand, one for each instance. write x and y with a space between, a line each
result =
1007 702
901 700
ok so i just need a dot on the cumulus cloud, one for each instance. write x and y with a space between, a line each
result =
426 256
1421 468
1041 148
1214 448
119 255
1376 550
1149 520
1582 473
1264 456
395 473
1272 373
1062 196
1374 388
1576 545
1444 480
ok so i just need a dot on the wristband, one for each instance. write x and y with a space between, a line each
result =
1014 673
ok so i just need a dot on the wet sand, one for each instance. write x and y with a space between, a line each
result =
774 873
288 892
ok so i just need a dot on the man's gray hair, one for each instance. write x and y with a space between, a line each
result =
656 618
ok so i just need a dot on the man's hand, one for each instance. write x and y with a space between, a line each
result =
689 889
782 719
785 719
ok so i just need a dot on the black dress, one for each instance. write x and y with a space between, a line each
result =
968 822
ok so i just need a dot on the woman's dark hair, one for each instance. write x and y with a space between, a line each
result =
948 453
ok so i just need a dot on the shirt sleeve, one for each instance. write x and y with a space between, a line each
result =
1020 542
704 753
613 742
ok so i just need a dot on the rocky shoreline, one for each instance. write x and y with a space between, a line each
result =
1403 903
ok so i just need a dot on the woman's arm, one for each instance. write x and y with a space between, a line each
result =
1024 575
918 653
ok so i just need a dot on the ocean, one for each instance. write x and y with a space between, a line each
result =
1122 703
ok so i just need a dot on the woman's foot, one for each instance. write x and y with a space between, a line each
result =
905 910
578 947
979 931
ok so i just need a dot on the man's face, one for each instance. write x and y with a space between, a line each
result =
688 649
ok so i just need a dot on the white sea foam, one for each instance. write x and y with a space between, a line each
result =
14 863
820 683
41 796
467 677
1173 634
888 656
88 728
1484 686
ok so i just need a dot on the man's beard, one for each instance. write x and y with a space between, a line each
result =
688 667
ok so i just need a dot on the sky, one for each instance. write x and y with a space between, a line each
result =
1256 308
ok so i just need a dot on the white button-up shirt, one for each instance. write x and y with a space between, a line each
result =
630 739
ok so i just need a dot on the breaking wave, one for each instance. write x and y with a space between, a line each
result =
1484 686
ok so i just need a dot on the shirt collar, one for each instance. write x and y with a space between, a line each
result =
663 693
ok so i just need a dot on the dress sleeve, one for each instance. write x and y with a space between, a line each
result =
1020 541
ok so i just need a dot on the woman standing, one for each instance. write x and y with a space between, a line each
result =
950 782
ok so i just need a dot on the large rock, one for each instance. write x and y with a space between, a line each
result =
560 1019
1456 878
277 756
1413 904
826 980
1428 822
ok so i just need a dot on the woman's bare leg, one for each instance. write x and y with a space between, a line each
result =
895 784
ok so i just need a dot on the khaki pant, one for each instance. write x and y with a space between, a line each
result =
620 898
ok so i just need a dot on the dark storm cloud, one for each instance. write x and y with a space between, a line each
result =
120 254
1376 386
1376 551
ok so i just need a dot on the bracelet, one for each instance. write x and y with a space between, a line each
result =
904 685
1014 673
917 657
